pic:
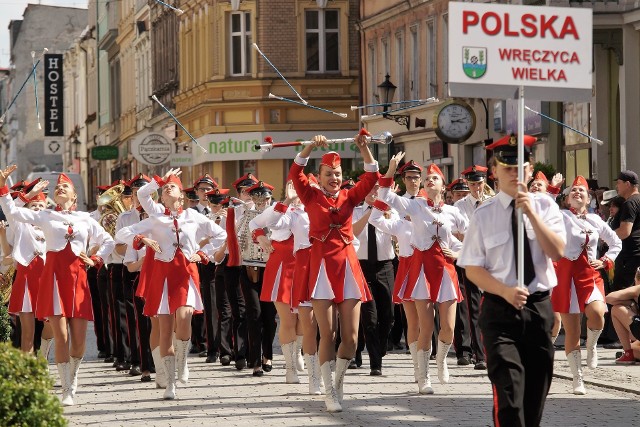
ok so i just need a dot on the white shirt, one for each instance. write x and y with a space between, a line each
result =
467 205
87 233
593 226
384 244
133 255
294 219
192 229
488 242
265 219
26 240
395 226
429 223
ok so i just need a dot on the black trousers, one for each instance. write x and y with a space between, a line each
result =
92 279
143 326
211 329
128 290
104 290
119 314
625 271
461 332
376 316
519 357
224 334
238 310
261 320
473 297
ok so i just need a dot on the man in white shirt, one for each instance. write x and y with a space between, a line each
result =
515 321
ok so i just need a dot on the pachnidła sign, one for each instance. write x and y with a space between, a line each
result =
53 89
495 48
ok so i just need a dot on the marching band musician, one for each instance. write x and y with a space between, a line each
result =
172 284
432 277
459 189
515 321
475 176
401 228
64 297
335 276
580 286
277 283
139 325
28 252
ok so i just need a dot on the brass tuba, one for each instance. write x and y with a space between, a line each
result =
113 206
6 282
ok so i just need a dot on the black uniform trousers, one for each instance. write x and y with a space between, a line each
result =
104 290
461 333
211 328
119 314
142 325
376 316
223 337
472 299
92 279
261 319
519 357
129 292
238 310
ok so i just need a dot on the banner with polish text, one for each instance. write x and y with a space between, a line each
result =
494 49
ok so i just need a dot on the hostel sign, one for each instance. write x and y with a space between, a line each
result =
494 49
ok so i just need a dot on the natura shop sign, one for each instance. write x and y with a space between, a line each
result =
152 149
494 49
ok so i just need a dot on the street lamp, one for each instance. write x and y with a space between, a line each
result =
76 148
386 90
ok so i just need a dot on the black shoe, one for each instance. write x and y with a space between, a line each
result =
115 363
108 359
613 346
375 372
480 366
102 355
358 359
225 360
241 364
389 345
122 366
433 356
352 364
135 371
463 361
203 353
211 359
267 367
145 378
194 349
258 372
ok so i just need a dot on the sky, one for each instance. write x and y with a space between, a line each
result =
13 9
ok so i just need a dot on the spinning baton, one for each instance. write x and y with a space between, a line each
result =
591 138
180 11
305 104
255 46
155 98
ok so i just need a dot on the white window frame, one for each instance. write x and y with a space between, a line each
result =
373 72
414 66
432 48
400 80
245 41
445 51
322 49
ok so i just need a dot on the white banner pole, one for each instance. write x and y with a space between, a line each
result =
521 161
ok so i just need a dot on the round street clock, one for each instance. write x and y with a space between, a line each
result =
454 122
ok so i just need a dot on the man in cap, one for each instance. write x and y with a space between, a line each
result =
627 226
515 321
459 189
191 198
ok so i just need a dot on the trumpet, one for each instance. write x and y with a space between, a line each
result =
383 138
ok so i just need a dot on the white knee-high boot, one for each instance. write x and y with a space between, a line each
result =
161 376
575 363
64 371
441 360
75 368
413 348
592 351
170 369
313 369
299 359
182 350
45 347
341 370
331 397
289 352
424 379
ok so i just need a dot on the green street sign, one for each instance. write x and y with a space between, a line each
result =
104 152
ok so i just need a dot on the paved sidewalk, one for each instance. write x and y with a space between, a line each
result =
226 397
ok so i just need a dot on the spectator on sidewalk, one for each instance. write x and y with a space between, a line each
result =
627 226
624 306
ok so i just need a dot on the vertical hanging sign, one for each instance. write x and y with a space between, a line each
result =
53 89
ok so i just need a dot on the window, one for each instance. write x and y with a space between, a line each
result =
445 50
399 72
240 60
373 74
322 40
386 55
414 78
432 89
